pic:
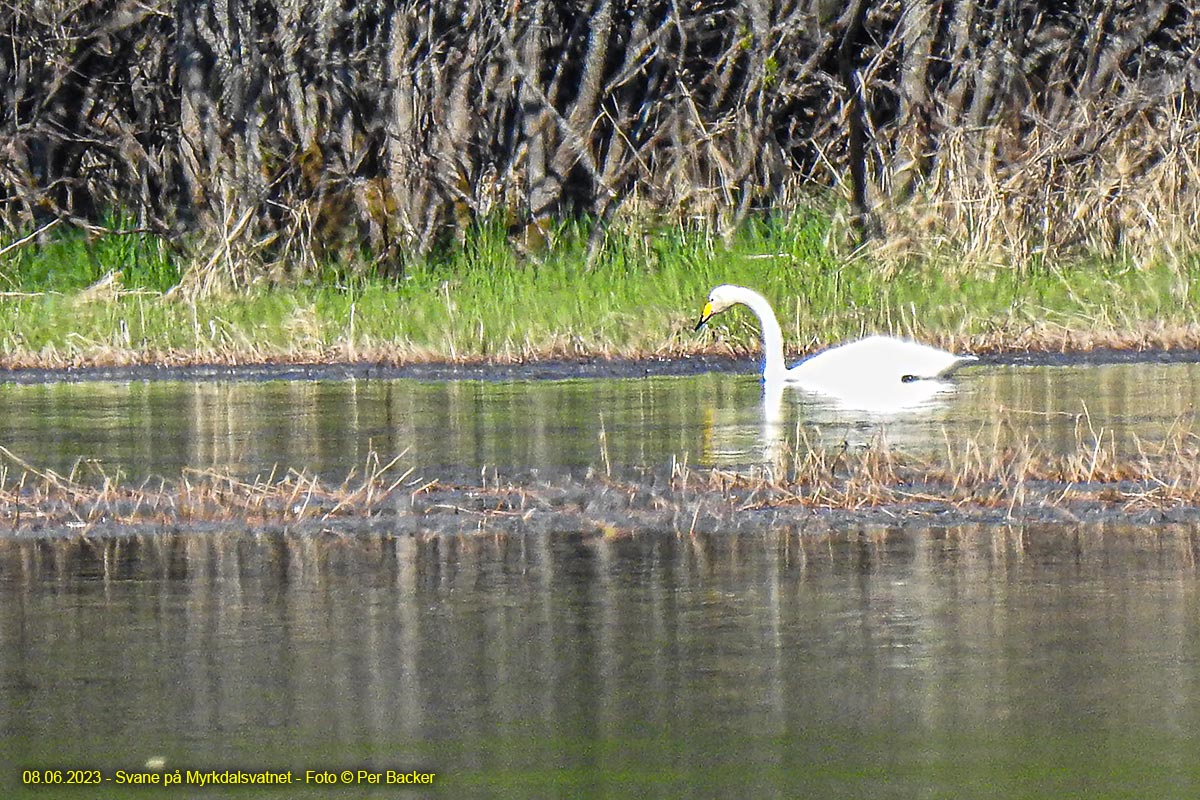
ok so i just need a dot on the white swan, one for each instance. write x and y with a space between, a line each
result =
858 369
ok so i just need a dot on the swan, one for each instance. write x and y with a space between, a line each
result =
873 364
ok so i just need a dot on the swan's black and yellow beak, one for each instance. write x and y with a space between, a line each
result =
705 316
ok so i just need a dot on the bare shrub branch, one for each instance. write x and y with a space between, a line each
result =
374 131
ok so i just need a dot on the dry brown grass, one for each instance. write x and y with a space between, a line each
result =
979 477
32 498
1109 181
980 474
1034 338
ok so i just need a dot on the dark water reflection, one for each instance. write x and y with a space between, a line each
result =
956 662
455 430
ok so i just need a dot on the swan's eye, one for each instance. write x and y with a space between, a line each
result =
909 378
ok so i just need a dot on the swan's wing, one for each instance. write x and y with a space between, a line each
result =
884 402
874 361
916 360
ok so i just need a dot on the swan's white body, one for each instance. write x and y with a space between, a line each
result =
876 363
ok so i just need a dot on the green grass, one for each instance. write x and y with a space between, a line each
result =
639 297
74 259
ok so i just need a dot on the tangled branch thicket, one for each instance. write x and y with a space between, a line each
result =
286 130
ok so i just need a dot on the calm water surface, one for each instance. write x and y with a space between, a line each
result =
1032 662
454 430
1039 661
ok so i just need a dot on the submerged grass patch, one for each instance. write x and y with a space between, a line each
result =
982 481
74 301
33 499
980 475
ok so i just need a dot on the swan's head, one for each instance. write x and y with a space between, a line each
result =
720 299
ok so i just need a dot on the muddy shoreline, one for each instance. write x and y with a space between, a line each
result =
549 369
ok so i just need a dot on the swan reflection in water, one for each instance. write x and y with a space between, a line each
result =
791 417
786 420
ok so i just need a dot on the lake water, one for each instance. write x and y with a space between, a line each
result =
950 662
1000 661
454 430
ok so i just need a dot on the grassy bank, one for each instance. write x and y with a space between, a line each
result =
640 298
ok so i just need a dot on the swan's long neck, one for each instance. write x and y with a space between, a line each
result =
772 337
